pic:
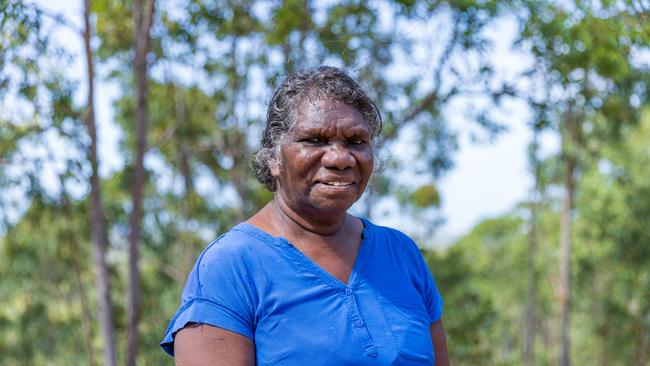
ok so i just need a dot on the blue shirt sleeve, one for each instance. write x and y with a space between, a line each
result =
427 285
218 292
432 298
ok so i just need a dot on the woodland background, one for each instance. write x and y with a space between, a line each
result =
92 265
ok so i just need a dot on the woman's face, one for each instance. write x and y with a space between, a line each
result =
325 160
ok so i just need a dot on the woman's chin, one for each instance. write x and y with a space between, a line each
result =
332 209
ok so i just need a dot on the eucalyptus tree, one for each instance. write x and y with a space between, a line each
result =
592 85
98 221
44 167
533 238
613 212
143 16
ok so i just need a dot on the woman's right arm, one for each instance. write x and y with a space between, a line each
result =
205 345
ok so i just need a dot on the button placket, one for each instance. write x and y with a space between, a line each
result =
359 328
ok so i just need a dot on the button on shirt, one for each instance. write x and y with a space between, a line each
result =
296 313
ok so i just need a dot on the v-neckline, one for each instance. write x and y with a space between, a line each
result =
309 265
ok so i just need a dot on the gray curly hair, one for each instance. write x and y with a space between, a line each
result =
322 83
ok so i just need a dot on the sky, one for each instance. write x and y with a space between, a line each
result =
487 179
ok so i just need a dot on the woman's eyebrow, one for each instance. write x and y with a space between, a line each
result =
357 131
308 131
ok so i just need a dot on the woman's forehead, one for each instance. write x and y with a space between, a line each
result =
328 114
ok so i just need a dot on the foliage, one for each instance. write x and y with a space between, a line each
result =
483 275
213 64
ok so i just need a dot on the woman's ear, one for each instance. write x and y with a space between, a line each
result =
274 166
275 162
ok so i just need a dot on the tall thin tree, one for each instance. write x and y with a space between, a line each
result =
143 11
98 222
533 243
569 134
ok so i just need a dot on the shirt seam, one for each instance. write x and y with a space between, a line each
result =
186 306
198 264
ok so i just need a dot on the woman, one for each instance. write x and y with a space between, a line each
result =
302 282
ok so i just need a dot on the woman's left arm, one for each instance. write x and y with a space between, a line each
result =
439 343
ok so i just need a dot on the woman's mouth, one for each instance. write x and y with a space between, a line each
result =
335 185
338 184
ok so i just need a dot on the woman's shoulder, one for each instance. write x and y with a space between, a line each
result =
238 244
394 243
388 234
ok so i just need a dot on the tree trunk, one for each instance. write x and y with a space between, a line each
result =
143 18
529 331
87 315
641 341
98 223
188 251
76 267
565 269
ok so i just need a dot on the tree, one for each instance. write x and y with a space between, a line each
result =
98 222
43 158
143 11
477 274
613 215
533 244
583 52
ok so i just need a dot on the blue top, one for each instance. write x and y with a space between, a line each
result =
262 287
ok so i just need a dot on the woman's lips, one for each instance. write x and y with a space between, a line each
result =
337 184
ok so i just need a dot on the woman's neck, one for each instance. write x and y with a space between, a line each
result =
294 223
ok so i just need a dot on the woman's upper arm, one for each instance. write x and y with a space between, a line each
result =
206 345
439 343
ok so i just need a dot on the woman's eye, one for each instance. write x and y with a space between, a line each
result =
356 142
314 140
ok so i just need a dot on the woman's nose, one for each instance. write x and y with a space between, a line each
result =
338 156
